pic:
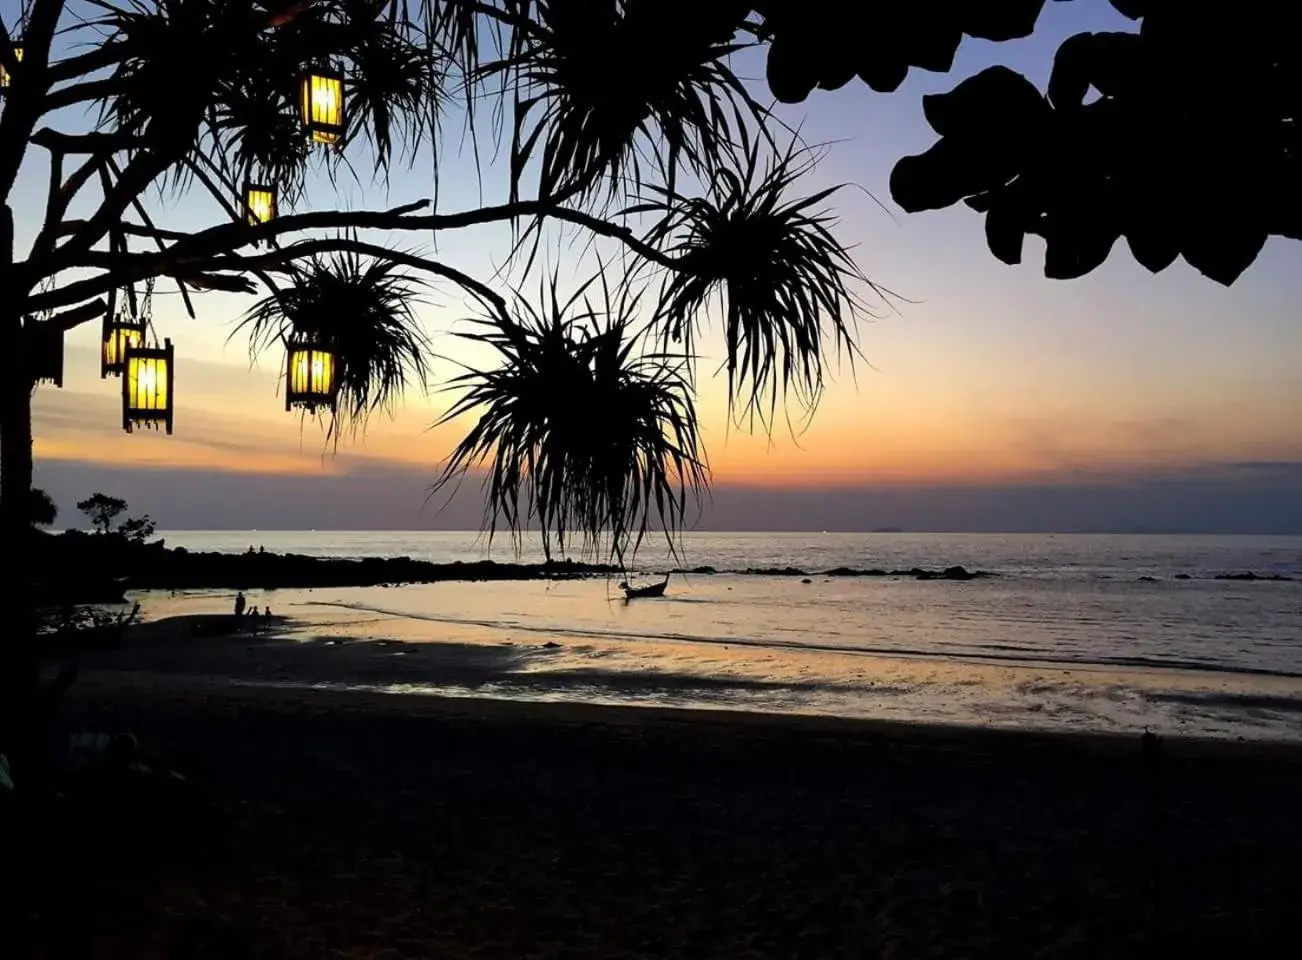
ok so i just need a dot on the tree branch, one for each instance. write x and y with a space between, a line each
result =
24 96
78 315
219 238
195 250
143 214
139 173
283 259
90 90
52 139
111 52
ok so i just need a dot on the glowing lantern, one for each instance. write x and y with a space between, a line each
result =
311 376
117 334
45 353
321 104
147 387
259 203
4 74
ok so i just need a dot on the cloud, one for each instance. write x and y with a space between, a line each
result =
1271 468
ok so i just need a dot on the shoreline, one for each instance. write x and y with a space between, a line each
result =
201 691
402 660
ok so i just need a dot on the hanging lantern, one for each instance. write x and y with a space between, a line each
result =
311 375
5 79
321 104
259 203
147 387
45 352
117 334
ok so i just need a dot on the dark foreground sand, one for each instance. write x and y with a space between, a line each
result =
352 825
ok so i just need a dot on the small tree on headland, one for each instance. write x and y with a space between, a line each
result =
137 529
102 510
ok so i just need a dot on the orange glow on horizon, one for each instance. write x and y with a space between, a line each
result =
882 433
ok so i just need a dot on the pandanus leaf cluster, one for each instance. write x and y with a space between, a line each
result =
787 289
603 85
363 309
213 85
578 427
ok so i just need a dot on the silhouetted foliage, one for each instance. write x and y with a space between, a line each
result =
827 43
363 308
786 286
1181 138
579 426
603 80
138 529
624 118
43 511
102 510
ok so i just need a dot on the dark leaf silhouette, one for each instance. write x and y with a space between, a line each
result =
1134 129
994 103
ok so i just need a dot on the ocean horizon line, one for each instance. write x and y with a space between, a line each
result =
658 534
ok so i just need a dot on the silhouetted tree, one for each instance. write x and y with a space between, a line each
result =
137 529
102 510
624 127
44 511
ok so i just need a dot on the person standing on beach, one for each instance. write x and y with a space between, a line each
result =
240 603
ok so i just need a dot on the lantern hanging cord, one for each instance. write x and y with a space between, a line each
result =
147 311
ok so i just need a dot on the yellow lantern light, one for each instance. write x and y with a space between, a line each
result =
321 104
45 352
311 376
5 79
117 334
260 203
147 387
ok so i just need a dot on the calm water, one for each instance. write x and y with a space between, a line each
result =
1065 634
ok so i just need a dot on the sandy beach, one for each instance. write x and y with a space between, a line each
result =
339 824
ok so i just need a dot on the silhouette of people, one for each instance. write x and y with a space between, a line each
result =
240 603
253 620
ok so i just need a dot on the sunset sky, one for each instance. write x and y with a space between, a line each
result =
992 388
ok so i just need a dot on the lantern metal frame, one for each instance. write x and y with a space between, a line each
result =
321 130
251 188
139 416
44 348
108 329
6 80
310 400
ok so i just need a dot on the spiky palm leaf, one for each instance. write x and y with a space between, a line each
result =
177 53
787 286
362 307
578 429
211 83
601 81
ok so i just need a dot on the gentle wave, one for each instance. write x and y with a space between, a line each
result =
1004 656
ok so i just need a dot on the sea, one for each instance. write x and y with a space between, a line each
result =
1106 633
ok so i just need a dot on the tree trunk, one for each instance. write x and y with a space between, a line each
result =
15 444
19 671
